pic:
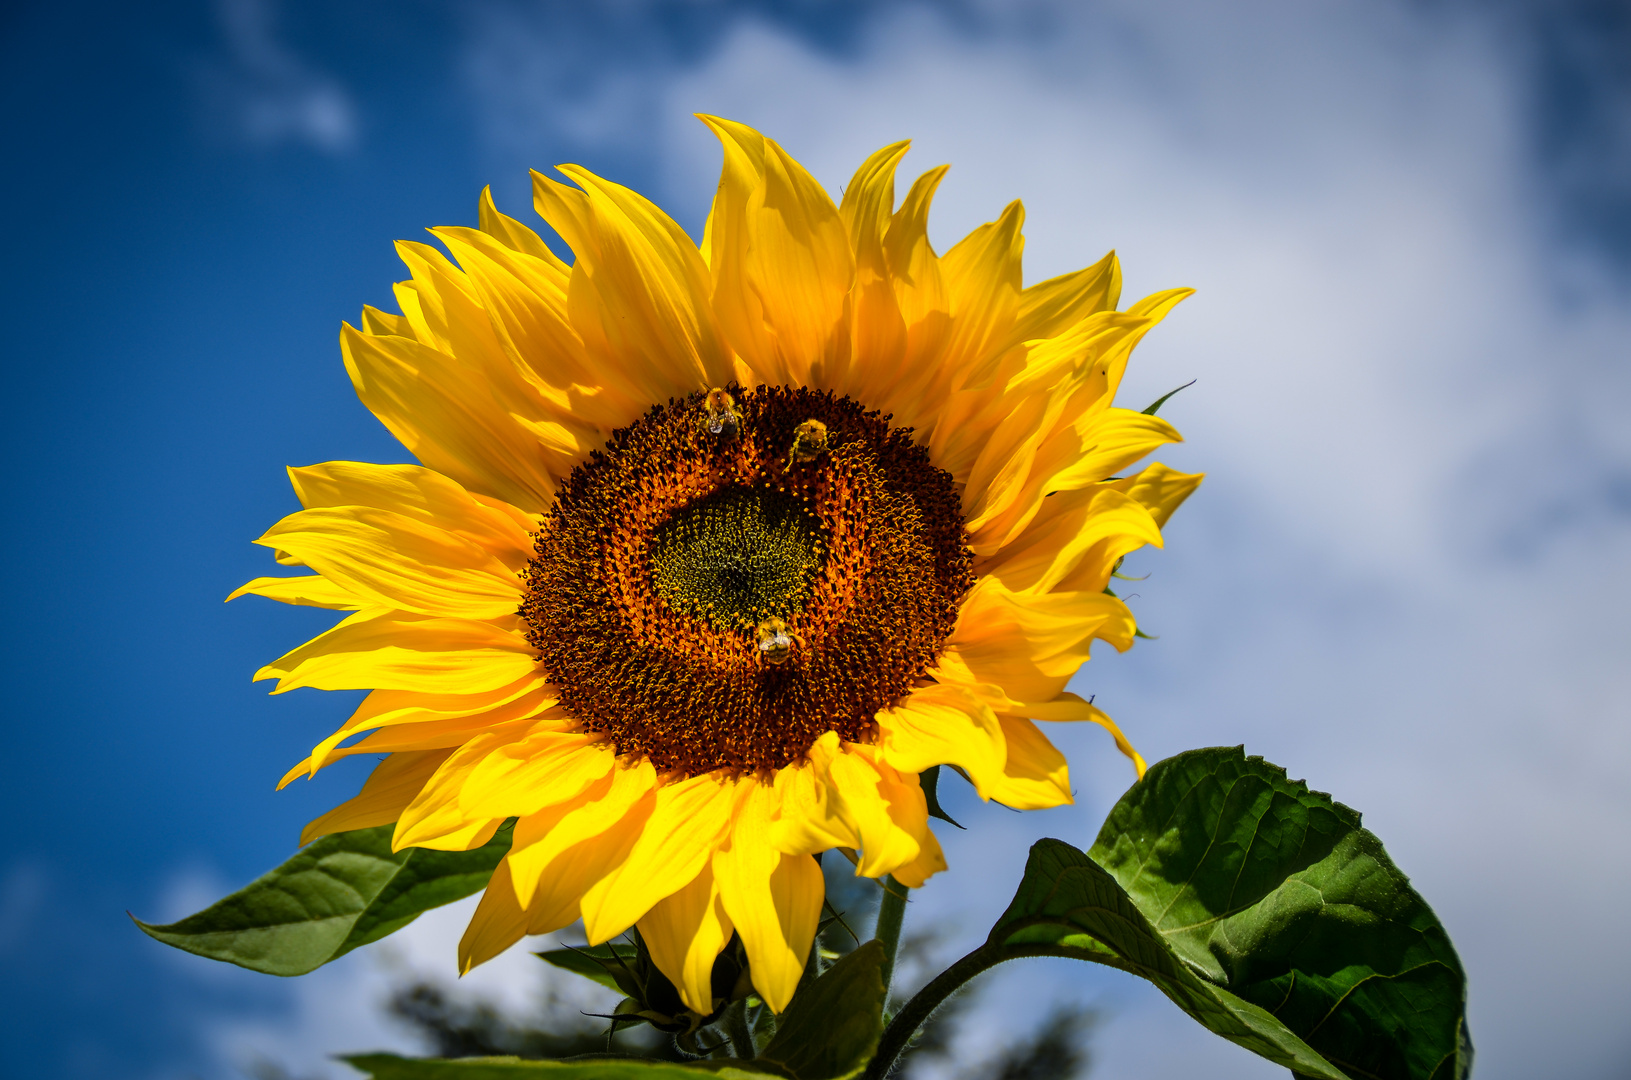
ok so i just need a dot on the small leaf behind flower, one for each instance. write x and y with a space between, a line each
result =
339 892
1155 406
930 780
832 1028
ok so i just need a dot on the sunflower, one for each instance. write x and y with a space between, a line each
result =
713 550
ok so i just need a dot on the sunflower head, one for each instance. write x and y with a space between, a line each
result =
712 550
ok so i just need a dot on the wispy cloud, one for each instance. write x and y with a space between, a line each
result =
260 91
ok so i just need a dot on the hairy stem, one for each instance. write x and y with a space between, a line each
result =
739 1031
917 1011
923 1004
891 911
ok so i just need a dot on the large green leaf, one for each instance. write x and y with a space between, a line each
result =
341 891
832 1028
391 1067
1069 906
1276 893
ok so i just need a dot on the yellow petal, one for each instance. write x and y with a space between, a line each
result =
497 924
1071 707
393 560
1074 542
781 254
560 851
438 812
1050 307
880 809
1030 644
877 328
1034 774
531 316
545 768
773 899
424 495
685 933
1052 428
918 389
930 861
1160 489
517 237
812 816
385 794
944 724
396 650
448 417
312 591
685 825
385 709
384 324
982 275
639 291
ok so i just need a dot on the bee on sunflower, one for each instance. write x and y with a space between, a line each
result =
713 549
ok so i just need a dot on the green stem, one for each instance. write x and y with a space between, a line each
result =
912 1016
891 911
917 1011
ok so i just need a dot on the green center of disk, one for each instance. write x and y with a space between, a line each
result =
737 556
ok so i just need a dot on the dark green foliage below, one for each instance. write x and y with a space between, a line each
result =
1261 908
392 1067
831 1029
338 892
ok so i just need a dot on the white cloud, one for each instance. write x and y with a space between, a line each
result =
1407 578
261 92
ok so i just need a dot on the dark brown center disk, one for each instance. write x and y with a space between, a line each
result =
666 553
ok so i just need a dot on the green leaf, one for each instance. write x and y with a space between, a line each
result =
340 891
832 1028
392 1067
1275 892
1069 906
930 780
1155 406
609 965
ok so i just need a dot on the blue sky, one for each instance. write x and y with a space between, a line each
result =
1407 580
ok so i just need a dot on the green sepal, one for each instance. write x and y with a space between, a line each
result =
1155 406
1260 885
832 1028
335 894
609 965
929 779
